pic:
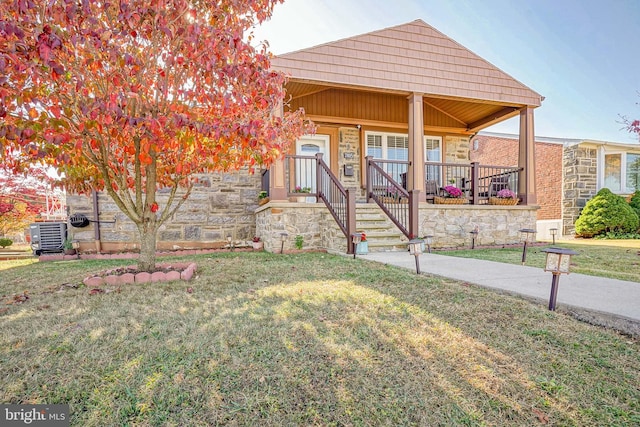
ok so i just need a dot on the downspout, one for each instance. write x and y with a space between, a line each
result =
96 217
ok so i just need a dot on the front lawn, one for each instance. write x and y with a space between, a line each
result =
308 339
615 262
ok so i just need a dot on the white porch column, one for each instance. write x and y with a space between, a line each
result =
415 173
527 158
277 190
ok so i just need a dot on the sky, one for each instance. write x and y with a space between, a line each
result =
581 55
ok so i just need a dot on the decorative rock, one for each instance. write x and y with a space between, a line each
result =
173 275
111 280
127 278
187 274
143 277
158 276
93 281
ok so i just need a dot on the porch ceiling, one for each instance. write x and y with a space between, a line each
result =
469 115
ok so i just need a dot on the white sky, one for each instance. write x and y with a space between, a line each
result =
579 54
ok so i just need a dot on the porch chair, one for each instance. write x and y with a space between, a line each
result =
430 190
498 183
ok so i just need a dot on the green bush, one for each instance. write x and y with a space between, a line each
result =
635 202
606 212
4 242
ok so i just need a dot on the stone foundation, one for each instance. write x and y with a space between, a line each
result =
449 224
312 221
497 225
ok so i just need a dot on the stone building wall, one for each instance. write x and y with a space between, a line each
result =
220 205
349 155
312 221
456 149
451 225
580 183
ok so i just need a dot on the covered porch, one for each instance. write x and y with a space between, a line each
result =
395 111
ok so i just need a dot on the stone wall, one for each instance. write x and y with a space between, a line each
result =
456 149
497 225
349 155
220 205
312 221
449 224
580 183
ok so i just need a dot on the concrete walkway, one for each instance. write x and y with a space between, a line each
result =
614 297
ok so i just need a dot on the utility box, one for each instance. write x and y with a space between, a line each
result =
47 236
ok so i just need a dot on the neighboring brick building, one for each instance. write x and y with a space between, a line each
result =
502 149
569 172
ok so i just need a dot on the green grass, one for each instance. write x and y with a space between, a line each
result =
308 339
605 261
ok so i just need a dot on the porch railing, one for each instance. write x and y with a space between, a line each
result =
312 173
390 195
478 182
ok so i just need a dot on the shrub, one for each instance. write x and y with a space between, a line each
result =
299 242
4 242
635 202
606 212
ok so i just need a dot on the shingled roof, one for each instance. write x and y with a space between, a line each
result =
407 58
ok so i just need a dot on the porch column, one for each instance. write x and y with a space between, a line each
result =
527 158
415 173
277 190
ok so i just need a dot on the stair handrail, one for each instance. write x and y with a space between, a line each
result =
340 202
396 202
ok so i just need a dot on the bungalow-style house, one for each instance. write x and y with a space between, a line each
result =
395 111
569 172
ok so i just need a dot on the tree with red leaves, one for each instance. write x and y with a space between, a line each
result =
134 96
22 199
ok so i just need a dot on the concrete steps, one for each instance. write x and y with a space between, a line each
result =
382 233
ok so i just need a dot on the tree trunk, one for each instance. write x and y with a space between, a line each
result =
148 236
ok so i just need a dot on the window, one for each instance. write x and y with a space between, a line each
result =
622 172
389 146
612 169
432 154
633 172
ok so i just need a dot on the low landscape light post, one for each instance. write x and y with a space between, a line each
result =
428 239
558 262
75 244
474 236
415 249
283 238
355 239
230 243
526 234
553 232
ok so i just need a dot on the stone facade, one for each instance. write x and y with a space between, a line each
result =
312 221
349 155
580 183
449 224
220 205
456 149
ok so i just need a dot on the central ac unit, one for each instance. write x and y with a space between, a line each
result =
47 236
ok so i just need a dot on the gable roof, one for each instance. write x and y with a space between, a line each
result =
412 57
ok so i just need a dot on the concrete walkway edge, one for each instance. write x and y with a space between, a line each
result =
609 296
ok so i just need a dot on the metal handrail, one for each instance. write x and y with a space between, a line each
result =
340 201
389 195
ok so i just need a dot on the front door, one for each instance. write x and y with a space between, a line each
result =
310 145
